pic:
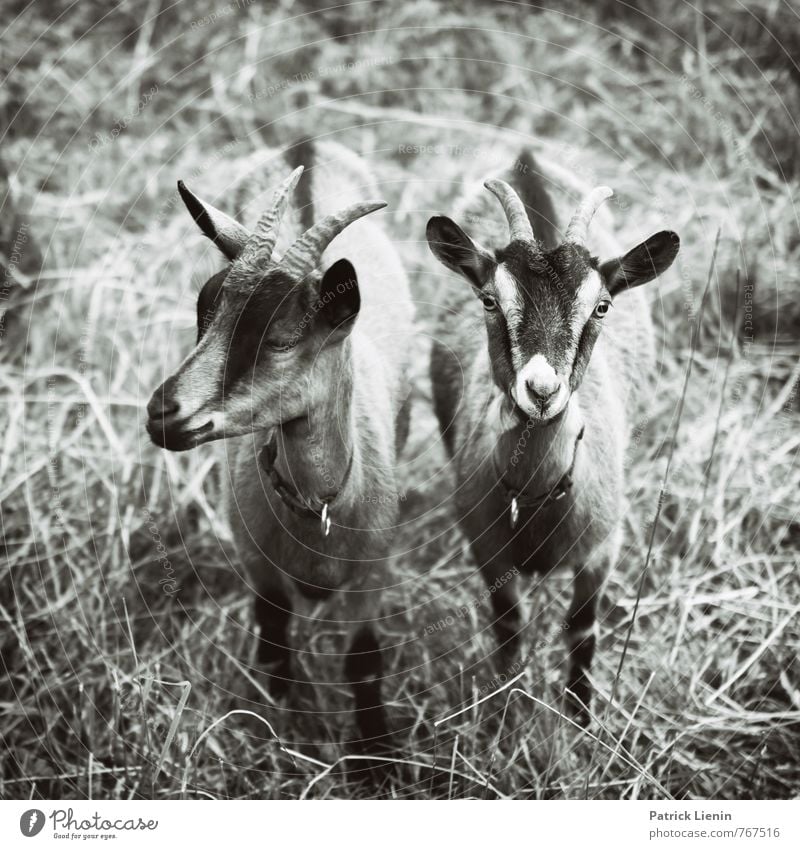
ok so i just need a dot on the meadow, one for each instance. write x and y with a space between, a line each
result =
125 628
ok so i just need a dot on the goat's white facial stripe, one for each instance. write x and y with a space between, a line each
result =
510 302
197 377
585 302
507 292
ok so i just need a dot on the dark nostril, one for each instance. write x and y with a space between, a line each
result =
544 392
161 407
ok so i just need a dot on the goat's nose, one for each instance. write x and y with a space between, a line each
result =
542 390
162 405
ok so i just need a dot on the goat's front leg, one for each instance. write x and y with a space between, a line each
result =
499 574
273 613
365 673
581 639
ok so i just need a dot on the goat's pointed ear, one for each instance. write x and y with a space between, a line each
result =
642 264
456 251
226 233
339 296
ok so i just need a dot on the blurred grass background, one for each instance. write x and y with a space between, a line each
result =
112 687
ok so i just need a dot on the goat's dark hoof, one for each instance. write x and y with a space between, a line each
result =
502 667
507 654
276 678
374 762
577 701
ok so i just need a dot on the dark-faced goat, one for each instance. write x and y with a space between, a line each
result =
536 410
300 365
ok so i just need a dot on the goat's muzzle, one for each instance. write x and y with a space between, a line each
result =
168 425
175 436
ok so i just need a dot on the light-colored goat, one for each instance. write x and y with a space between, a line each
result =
300 364
537 409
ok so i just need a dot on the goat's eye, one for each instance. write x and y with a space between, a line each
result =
282 347
601 310
489 304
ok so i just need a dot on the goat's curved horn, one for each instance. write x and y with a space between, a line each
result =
262 242
578 229
305 253
225 232
518 222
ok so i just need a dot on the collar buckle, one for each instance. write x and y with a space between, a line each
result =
516 497
514 513
301 506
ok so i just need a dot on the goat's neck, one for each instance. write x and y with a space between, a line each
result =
315 450
525 454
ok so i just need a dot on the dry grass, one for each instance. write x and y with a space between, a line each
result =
114 688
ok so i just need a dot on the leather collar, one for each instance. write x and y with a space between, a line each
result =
302 506
517 498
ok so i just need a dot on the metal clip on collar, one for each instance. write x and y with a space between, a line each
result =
517 498
300 505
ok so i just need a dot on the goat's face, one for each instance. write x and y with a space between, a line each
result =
269 335
544 308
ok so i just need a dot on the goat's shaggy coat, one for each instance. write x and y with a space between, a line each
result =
308 355
540 295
